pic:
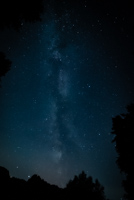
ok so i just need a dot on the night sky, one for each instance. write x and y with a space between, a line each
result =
71 73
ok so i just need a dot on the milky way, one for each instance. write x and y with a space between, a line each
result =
69 77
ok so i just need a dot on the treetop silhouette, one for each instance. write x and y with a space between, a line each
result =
123 129
85 187
14 13
37 188
5 65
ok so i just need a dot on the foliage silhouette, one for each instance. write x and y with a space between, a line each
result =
36 188
84 187
12 15
4 174
123 129
17 188
5 65
4 182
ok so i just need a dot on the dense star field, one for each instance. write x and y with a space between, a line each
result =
71 73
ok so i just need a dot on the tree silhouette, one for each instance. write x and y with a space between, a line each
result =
123 129
84 187
36 188
17 188
4 183
12 15
5 65
4 174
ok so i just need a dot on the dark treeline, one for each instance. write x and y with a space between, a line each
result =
123 129
36 188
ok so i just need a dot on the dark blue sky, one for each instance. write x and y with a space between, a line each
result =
70 74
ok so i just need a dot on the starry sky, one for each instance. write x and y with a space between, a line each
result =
71 73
